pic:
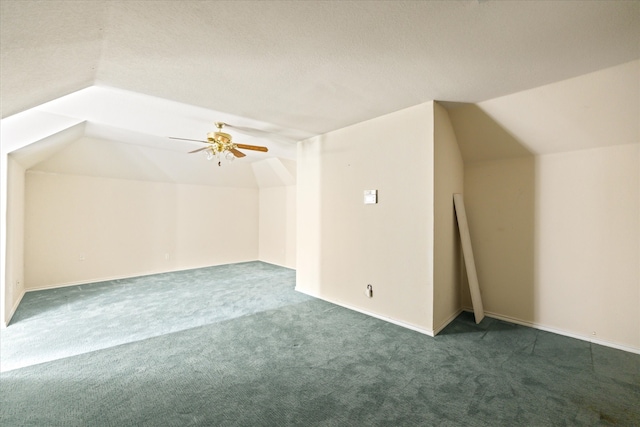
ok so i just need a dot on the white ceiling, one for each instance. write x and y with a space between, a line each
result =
152 69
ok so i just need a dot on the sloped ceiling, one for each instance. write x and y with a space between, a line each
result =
593 110
146 70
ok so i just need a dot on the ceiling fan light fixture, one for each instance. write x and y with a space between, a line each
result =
221 146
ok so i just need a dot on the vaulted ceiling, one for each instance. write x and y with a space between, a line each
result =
135 72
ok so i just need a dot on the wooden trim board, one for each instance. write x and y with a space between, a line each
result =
467 251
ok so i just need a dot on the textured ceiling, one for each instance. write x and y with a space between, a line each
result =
310 65
296 68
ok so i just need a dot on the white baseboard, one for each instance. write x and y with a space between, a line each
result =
410 326
562 332
277 264
86 282
5 322
496 316
368 313
126 276
444 324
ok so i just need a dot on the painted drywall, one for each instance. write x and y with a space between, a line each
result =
538 221
277 225
81 229
499 199
274 172
593 110
276 178
88 156
343 244
448 179
5 301
17 132
586 243
556 238
14 272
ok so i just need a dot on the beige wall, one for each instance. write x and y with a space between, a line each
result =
587 237
14 273
553 218
556 241
448 179
343 245
555 236
81 229
277 226
499 200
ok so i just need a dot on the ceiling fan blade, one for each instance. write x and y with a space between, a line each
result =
199 149
187 139
252 147
237 153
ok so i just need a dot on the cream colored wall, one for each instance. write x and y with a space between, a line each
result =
5 301
343 245
277 229
553 218
309 216
556 239
587 243
448 179
14 273
17 132
80 229
499 199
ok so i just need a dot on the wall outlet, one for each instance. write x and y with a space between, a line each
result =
369 291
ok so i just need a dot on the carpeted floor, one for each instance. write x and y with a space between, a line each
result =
237 346
64 322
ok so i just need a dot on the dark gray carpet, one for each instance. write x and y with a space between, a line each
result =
293 361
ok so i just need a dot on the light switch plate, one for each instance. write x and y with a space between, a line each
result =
370 197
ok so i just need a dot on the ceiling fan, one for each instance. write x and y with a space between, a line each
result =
220 144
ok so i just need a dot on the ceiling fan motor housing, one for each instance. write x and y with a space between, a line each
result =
221 141
221 137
